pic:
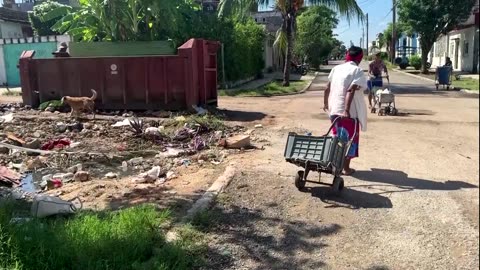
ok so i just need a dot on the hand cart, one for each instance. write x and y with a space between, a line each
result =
443 76
386 99
321 154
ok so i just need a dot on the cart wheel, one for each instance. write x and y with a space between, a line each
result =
436 86
299 181
387 110
381 112
337 184
373 110
448 87
394 111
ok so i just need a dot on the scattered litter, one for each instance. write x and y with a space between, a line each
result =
135 161
148 177
75 127
44 206
36 163
153 131
170 175
81 176
61 127
111 175
6 118
238 142
75 168
8 176
198 143
54 183
259 126
75 144
172 153
65 177
124 166
125 122
186 162
59 144
17 141
199 110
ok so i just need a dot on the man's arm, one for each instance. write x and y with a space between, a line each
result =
326 94
349 99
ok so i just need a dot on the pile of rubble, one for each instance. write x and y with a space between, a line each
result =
56 151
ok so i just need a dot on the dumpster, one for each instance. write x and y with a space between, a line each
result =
166 82
443 76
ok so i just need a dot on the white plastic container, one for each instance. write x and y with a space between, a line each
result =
44 206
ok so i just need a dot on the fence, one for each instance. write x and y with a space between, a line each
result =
133 83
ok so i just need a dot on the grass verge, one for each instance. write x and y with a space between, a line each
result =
12 93
271 89
127 239
466 83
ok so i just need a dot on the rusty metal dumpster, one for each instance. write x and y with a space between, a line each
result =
132 83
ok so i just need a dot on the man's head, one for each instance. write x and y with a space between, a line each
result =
354 54
378 56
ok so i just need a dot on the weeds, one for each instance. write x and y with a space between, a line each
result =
12 93
270 89
125 239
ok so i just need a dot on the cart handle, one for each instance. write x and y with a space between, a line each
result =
337 119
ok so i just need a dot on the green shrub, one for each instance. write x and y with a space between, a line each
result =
416 62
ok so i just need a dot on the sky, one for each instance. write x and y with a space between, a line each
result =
379 13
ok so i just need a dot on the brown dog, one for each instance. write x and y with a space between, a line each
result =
79 104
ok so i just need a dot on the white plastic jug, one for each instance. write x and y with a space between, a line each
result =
44 206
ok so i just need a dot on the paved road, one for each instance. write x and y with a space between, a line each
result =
413 203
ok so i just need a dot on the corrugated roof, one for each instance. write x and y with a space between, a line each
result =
11 15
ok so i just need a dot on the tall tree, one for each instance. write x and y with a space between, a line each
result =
289 10
431 18
315 34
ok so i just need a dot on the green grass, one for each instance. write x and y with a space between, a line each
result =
12 93
466 83
127 239
270 89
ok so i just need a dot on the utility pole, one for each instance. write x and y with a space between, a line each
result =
394 31
363 37
367 35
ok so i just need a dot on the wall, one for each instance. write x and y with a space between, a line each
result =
465 49
10 30
32 41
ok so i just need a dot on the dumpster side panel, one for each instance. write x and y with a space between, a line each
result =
130 83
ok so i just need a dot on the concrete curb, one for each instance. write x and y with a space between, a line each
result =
466 91
211 194
415 76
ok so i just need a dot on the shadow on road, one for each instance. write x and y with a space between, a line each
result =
401 180
272 243
349 198
243 116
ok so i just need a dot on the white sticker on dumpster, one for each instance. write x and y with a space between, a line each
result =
113 69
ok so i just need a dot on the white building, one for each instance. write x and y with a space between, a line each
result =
461 45
272 20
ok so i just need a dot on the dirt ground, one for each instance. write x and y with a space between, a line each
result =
412 204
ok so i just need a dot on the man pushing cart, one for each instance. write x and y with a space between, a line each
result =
375 83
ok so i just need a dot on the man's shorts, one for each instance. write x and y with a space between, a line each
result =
375 83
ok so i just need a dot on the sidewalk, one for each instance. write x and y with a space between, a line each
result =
255 84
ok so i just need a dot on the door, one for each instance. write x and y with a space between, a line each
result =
12 53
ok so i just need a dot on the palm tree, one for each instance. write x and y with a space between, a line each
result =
288 10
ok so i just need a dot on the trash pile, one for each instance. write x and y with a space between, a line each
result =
39 154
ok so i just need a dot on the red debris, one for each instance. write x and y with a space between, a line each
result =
56 144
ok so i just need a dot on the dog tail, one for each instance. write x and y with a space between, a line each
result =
94 94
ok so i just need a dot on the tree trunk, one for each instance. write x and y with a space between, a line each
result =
425 50
288 57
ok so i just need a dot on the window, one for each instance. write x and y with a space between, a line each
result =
465 47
